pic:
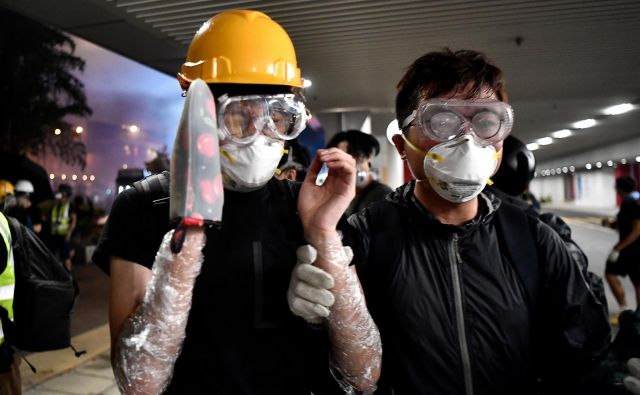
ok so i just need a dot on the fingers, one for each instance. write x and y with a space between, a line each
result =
336 159
313 276
314 294
306 254
311 312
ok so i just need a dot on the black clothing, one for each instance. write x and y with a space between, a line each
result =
628 262
445 297
374 192
241 336
27 216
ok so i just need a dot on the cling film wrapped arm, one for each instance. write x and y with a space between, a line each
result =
355 340
151 339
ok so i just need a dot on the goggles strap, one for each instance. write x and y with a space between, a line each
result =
436 157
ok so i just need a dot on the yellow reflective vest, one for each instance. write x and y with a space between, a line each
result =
60 219
7 277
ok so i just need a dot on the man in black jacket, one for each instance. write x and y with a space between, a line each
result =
455 313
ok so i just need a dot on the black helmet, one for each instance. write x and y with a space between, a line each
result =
517 168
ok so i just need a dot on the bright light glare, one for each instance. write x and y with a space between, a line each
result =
57 132
623 161
74 177
618 109
533 146
609 163
306 83
64 177
92 177
588 166
79 129
637 158
585 123
545 141
134 129
572 168
52 176
84 177
560 134
598 164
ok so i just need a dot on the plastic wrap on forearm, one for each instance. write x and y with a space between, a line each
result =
151 339
356 344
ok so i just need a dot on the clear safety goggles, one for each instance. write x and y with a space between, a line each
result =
442 120
243 118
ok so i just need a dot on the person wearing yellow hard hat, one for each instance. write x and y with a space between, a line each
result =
224 326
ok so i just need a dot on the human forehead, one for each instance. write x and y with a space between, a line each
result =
484 95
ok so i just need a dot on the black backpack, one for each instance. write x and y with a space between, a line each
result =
44 295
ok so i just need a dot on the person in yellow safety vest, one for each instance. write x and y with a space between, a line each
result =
63 222
10 382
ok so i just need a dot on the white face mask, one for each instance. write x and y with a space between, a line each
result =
460 168
249 167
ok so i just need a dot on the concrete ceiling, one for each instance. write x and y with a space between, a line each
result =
564 60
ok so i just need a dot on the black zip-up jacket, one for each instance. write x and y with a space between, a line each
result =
452 311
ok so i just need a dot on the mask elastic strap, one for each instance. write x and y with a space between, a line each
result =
436 157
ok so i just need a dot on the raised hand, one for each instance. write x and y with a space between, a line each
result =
320 207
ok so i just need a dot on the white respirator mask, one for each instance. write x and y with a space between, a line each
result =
249 167
459 169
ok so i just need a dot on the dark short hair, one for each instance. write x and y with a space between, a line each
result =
625 184
360 143
65 188
437 73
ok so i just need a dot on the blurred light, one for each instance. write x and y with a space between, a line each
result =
392 130
108 191
572 169
623 161
535 174
306 83
533 146
560 134
57 132
74 177
598 164
64 176
92 177
565 169
545 141
558 170
52 176
637 158
586 123
618 109
553 172
609 163
124 166
84 177
588 166
79 129
134 129
120 189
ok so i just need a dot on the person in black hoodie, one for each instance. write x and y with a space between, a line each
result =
455 313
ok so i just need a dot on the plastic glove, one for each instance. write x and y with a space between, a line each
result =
632 382
613 256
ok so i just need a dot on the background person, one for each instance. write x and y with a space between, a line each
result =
63 222
294 162
363 147
624 259
25 211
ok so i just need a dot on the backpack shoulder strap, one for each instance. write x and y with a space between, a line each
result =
515 236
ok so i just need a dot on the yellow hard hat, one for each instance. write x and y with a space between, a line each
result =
6 188
241 47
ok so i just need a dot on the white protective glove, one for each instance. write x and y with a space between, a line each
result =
613 256
632 382
308 295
